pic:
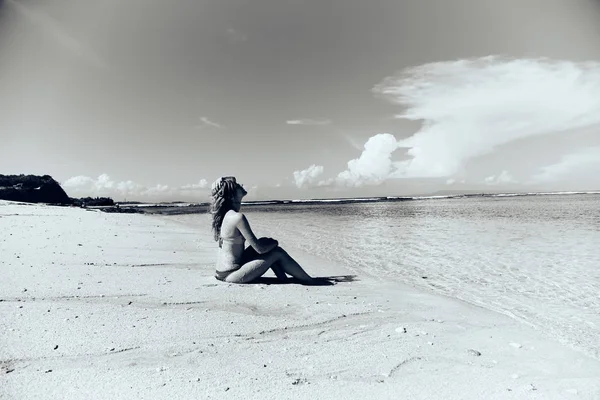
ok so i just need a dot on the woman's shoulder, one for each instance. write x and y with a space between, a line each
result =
234 215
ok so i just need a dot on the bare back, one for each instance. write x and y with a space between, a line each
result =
232 243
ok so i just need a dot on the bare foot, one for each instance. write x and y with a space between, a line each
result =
318 282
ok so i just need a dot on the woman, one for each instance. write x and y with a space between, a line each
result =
237 264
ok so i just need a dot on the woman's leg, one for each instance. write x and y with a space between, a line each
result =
261 263
279 272
290 266
251 254
254 268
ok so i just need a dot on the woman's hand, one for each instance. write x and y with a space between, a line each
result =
268 241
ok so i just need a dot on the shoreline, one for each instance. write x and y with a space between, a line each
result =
183 208
131 306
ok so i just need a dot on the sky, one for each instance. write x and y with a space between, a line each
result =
151 100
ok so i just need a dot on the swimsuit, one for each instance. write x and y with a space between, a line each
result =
239 239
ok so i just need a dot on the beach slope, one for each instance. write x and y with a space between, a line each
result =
124 306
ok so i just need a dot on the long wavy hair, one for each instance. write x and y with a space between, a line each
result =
223 192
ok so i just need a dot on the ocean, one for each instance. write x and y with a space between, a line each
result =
534 258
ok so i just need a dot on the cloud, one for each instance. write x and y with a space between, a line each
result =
101 184
158 190
374 164
470 107
202 184
53 29
194 189
205 122
503 178
83 186
574 166
308 177
79 182
308 122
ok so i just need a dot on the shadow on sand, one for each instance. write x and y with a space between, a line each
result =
318 281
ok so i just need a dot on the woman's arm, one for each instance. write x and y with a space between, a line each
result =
262 245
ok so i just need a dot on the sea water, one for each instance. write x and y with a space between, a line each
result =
534 258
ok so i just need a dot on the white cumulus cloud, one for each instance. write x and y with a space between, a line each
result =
308 177
98 186
202 184
79 182
470 107
503 178
374 164
104 186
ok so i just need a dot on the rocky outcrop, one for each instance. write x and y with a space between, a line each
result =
32 189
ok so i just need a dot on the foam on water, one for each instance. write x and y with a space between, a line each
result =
536 258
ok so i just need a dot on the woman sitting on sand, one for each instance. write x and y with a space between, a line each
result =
237 264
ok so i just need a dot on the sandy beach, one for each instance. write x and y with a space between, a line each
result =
125 306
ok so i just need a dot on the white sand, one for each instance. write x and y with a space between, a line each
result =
109 306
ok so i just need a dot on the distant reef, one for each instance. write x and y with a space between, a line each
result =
93 202
32 189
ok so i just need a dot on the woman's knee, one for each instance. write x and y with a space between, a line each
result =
280 250
280 253
276 251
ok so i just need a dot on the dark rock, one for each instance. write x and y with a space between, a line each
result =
32 189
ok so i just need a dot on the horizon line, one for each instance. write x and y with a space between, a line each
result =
472 193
